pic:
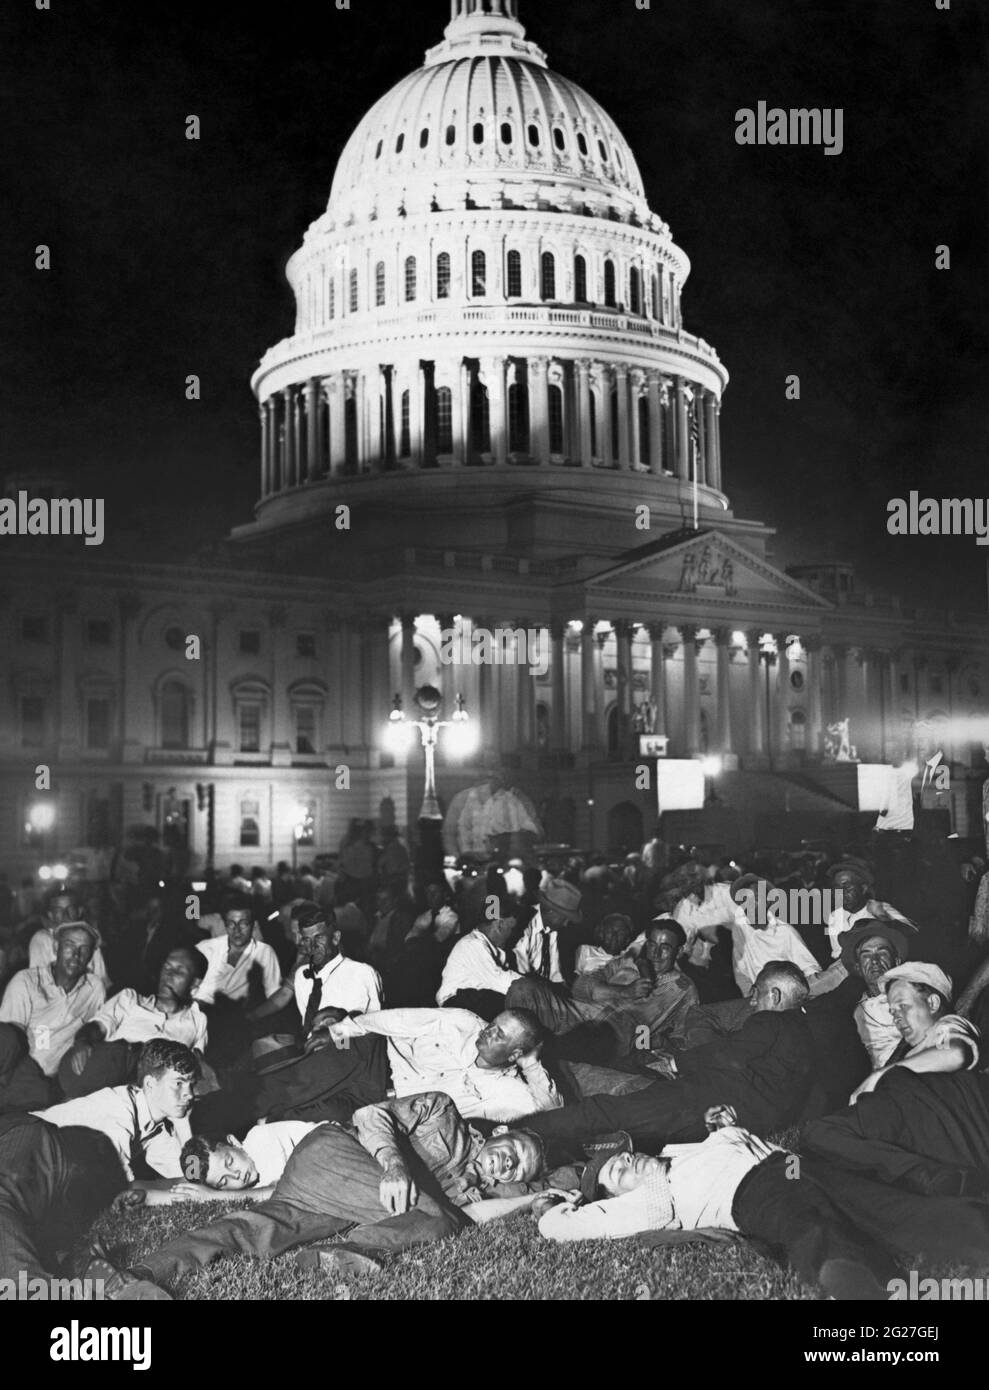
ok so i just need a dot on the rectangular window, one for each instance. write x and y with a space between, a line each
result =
32 721
405 438
99 632
305 729
249 719
444 420
443 276
250 642
34 628
250 826
514 277
305 644
98 723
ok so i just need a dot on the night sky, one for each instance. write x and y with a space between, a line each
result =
169 254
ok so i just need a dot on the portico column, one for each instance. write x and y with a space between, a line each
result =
657 654
682 439
605 428
655 426
333 386
782 692
722 637
600 642
701 462
558 725
621 385
757 744
493 377
691 691
460 406
288 479
526 696
312 429
416 415
636 381
539 404
812 646
710 441
623 640
588 687
408 663
716 441
584 409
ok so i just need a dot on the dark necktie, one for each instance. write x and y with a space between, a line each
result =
316 994
546 964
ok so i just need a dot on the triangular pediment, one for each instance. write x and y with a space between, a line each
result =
703 566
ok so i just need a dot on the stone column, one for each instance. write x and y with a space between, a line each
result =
716 447
605 430
539 407
655 425
336 395
588 686
722 637
486 712
510 682
461 414
782 692
815 722
624 434
312 429
288 474
701 464
265 456
757 740
583 368
408 663
636 382
710 445
658 675
558 713
417 411
493 377
691 691
668 404
526 697
600 642
682 435
624 666
363 431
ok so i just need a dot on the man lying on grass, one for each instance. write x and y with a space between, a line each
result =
833 1228
407 1172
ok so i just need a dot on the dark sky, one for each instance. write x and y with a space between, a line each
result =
169 254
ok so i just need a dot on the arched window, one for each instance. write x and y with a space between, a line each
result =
353 291
518 420
548 276
534 136
579 280
614 425
405 435
451 135
410 279
444 420
609 284
602 151
514 278
556 420
478 273
424 137
333 299
174 715
644 439
478 133
618 159
655 297
559 139
380 146
379 284
443 275
400 143
506 133
635 290
594 425
480 418
582 143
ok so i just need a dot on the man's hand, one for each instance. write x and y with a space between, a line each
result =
640 989
720 1117
397 1191
129 1200
327 1016
316 1042
192 1192
80 1057
664 1066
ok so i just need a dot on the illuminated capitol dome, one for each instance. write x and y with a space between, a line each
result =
488 288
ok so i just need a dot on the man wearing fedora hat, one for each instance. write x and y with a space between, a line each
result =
548 946
44 1008
854 880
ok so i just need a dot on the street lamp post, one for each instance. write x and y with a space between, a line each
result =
428 699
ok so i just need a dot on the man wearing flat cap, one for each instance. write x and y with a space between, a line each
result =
41 1012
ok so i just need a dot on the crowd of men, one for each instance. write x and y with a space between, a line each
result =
366 1058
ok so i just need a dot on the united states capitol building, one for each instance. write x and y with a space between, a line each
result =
490 415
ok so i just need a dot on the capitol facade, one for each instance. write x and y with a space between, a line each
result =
490 418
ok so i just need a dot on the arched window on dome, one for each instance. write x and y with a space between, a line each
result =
547 263
534 136
614 427
635 290
443 275
619 160
444 420
410 279
380 146
594 425
451 135
609 284
478 274
556 420
582 143
518 419
507 134
559 139
602 151
480 418
424 137
400 143
353 292
644 439
379 284
405 428
513 279
478 133
579 280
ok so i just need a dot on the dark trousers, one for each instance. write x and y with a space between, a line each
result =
327 1085
23 1085
110 1064
922 1132
665 1112
486 1003
330 1185
810 1214
32 1177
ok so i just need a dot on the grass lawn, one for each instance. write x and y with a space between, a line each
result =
507 1260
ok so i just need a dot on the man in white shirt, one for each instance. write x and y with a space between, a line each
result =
329 980
105 1051
146 1123
839 1231
852 879
491 1071
231 958
759 936
49 1003
477 975
59 909
558 913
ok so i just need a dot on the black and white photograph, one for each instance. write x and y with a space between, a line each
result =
494 706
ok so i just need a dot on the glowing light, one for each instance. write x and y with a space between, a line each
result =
461 738
398 733
45 873
60 871
711 766
42 815
738 639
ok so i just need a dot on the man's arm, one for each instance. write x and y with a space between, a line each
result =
271 972
15 1006
382 1128
969 995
